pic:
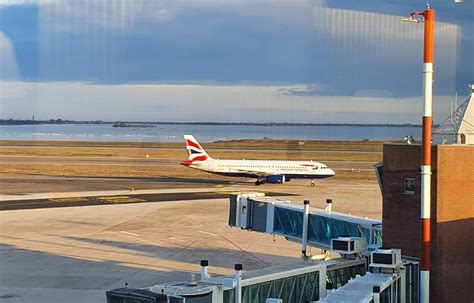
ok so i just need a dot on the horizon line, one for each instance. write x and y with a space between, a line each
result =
11 121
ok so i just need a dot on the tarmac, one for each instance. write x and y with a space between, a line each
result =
75 253
137 162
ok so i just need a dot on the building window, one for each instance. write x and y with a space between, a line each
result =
409 186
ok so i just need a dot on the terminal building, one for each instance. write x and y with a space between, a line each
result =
299 282
459 127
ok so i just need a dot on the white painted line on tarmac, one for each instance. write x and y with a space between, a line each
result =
130 234
207 233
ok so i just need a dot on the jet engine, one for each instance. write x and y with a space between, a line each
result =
275 179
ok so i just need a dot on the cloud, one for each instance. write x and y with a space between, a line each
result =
307 90
8 62
335 48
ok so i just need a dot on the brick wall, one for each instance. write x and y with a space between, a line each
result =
452 214
401 211
453 233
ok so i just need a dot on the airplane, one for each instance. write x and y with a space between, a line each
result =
264 171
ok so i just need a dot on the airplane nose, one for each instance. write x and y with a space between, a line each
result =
331 172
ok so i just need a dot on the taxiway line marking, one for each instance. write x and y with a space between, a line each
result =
207 233
73 199
119 199
130 234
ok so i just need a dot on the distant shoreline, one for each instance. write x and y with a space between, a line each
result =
138 123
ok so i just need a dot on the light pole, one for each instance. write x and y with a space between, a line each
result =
428 17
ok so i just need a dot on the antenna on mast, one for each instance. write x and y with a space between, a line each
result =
456 101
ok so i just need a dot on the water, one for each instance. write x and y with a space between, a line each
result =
204 133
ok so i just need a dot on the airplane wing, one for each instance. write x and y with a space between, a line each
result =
259 174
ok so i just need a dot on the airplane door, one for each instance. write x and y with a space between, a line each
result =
243 213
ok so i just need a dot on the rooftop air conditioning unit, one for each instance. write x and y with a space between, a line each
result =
386 258
348 245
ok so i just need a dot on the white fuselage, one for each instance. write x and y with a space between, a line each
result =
258 168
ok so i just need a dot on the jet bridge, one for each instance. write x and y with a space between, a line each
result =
311 226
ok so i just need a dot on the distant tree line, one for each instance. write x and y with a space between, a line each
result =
50 121
119 123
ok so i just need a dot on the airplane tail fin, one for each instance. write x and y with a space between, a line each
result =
195 150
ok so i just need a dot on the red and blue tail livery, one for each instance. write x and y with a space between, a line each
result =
195 151
264 171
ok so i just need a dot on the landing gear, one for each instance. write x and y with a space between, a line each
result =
259 182
312 183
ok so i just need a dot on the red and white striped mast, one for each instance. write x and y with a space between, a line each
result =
428 15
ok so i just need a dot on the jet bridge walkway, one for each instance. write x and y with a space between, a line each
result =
258 213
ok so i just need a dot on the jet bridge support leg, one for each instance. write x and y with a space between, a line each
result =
238 279
304 237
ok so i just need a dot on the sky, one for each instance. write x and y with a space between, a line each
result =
305 61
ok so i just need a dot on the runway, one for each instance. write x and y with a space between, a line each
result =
165 176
